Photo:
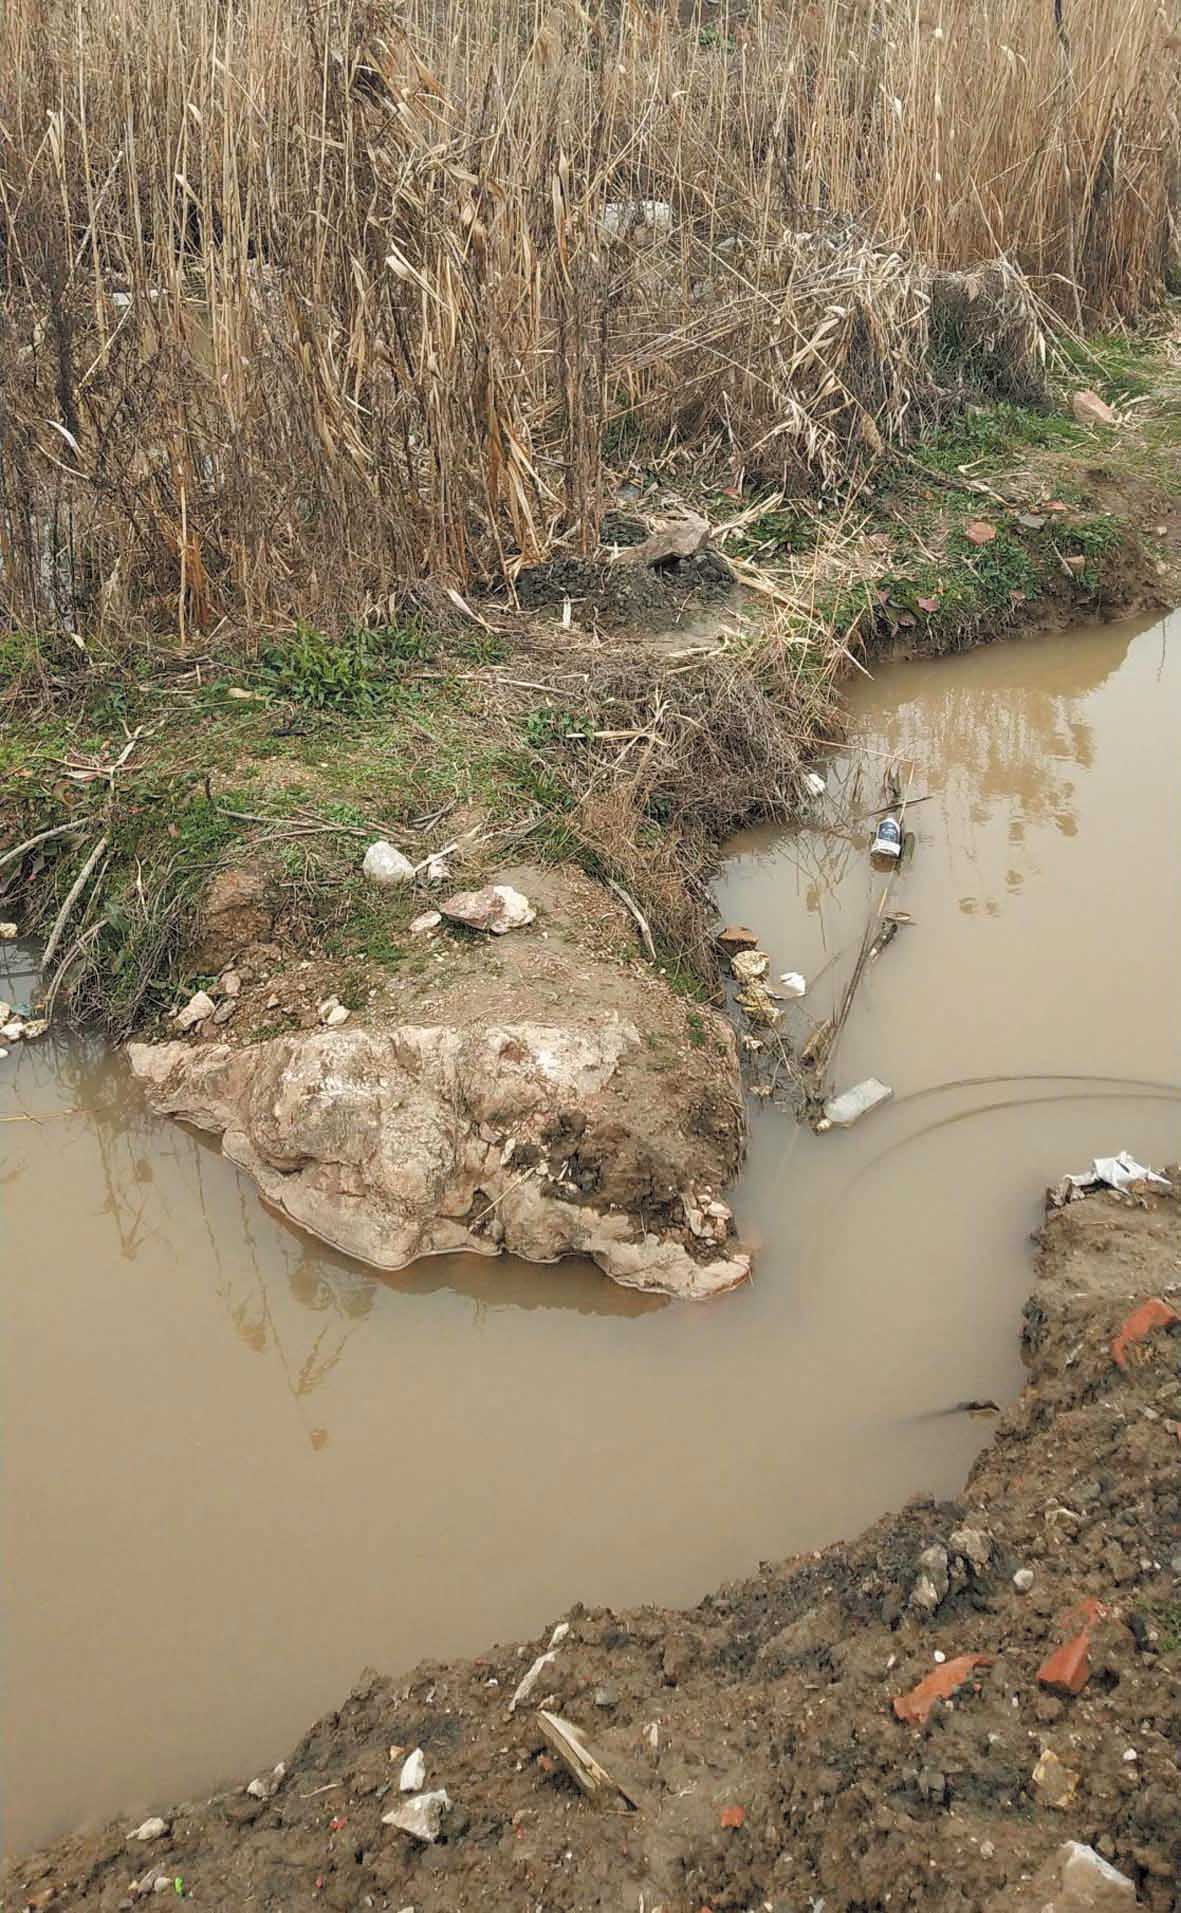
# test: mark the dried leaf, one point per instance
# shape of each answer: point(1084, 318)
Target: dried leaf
point(928, 605)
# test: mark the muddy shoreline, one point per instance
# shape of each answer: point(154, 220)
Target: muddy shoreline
point(757, 1733)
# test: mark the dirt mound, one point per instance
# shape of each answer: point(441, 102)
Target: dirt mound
point(766, 1737)
point(518, 1094)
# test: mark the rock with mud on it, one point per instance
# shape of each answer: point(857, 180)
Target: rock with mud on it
point(196, 1011)
point(749, 965)
point(736, 936)
point(421, 1816)
point(419, 1140)
point(933, 1580)
point(496, 908)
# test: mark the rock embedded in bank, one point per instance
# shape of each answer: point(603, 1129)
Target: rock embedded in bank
point(496, 908)
point(539, 1139)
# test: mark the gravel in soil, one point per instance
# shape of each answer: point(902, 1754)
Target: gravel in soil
point(757, 1734)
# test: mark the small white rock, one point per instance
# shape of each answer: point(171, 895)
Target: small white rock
point(14, 1029)
point(1023, 1580)
point(5, 1011)
point(939, 1656)
point(7, 932)
point(149, 1829)
point(384, 865)
point(421, 1815)
point(195, 1011)
point(413, 1772)
point(429, 920)
point(815, 784)
point(437, 870)
point(231, 983)
point(336, 1016)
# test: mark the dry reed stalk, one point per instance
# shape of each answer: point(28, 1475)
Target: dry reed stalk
point(299, 304)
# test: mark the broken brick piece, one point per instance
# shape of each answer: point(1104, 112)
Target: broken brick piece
point(1068, 1669)
point(1140, 1324)
point(915, 1706)
point(733, 1816)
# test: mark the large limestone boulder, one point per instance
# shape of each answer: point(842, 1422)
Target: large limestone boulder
point(539, 1139)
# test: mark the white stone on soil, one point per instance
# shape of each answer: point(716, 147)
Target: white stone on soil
point(382, 864)
point(196, 1010)
point(421, 1816)
point(413, 1772)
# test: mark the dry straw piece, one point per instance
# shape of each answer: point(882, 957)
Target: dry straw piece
point(303, 303)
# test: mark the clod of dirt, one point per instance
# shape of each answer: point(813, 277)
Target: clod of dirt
point(235, 912)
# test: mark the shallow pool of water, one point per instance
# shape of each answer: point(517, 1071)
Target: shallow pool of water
point(239, 1467)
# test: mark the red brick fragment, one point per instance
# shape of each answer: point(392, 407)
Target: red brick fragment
point(1068, 1669)
point(915, 1706)
point(1151, 1314)
point(733, 1816)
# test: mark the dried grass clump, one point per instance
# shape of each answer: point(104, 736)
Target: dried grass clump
point(302, 306)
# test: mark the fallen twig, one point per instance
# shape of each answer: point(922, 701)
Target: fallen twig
point(75, 891)
point(42, 837)
point(633, 907)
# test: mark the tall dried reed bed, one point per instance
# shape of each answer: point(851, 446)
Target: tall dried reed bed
point(302, 306)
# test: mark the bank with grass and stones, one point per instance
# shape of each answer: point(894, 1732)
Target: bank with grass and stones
point(974, 1705)
point(192, 829)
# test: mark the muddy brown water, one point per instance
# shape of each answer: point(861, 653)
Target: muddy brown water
point(239, 1467)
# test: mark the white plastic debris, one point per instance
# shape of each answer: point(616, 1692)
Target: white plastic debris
point(195, 1011)
point(815, 784)
point(13, 1030)
point(529, 1681)
point(413, 1772)
point(793, 983)
point(151, 1829)
point(267, 1785)
point(623, 216)
point(384, 865)
point(852, 1104)
point(887, 839)
point(421, 1816)
point(1114, 1172)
